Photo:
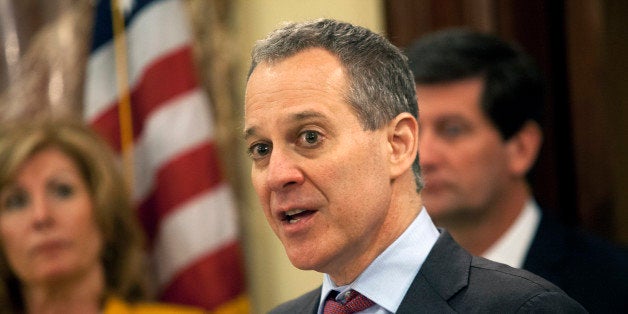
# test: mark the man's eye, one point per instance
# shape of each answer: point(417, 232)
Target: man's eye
point(310, 137)
point(452, 130)
point(259, 150)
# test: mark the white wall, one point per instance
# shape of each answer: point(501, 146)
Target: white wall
point(272, 279)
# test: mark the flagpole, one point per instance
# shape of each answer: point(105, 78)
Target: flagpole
point(124, 95)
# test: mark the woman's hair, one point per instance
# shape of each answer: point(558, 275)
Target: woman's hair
point(123, 254)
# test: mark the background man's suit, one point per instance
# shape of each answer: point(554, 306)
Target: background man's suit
point(451, 280)
point(591, 271)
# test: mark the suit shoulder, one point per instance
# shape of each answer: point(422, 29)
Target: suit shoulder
point(587, 267)
point(513, 289)
point(598, 249)
point(567, 244)
point(483, 269)
point(307, 303)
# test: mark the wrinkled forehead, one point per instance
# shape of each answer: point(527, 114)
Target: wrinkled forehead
point(310, 65)
point(312, 80)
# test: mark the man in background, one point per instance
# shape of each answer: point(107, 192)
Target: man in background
point(480, 101)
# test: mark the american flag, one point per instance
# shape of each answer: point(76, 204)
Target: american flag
point(143, 96)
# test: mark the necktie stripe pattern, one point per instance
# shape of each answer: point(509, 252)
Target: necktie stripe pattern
point(356, 302)
point(183, 201)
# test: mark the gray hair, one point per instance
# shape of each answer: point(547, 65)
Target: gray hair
point(381, 85)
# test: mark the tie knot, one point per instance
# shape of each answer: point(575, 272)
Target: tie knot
point(355, 302)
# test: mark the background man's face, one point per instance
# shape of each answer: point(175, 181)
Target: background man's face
point(462, 155)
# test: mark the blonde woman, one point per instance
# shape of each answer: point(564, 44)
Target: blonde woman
point(69, 240)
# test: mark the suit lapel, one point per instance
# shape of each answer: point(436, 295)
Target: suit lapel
point(311, 301)
point(312, 306)
point(444, 273)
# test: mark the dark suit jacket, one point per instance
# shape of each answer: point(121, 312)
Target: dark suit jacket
point(592, 271)
point(451, 280)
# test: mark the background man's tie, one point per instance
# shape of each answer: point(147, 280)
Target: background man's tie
point(355, 303)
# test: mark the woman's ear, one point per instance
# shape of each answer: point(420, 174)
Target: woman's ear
point(403, 137)
point(523, 148)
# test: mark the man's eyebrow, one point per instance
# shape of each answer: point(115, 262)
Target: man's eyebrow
point(304, 115)
point(299, 116)
point(248, 132)
point(452, 117)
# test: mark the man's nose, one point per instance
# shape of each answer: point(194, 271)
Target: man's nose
point(283, 170)
point(429, 151)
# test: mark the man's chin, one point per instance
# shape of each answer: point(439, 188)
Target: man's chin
point(302, 260)
point(439, 210)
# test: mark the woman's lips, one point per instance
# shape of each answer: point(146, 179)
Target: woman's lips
point(50, 246)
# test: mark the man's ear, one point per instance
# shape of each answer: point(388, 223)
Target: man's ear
point(523, 148)
point(403, 137)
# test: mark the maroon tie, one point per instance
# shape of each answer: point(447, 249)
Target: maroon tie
point(355, 303)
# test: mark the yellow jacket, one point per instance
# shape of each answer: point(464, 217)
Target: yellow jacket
point(117, 306)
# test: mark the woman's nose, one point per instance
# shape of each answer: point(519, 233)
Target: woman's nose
point(41, 213)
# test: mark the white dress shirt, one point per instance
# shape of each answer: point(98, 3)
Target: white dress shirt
point(387, 279)
point(511, 249)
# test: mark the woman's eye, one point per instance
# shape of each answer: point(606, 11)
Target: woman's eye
point(63, 190)
point(259, 150)
point(15, 201)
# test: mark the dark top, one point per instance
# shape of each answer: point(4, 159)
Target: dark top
point(592, 271)
point(451, 280)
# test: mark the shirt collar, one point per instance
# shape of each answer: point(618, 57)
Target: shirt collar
point(387, 279)
point(511, 248)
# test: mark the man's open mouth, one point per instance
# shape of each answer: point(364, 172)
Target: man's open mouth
point(292, 216)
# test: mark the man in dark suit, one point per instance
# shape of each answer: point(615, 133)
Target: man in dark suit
point(331, 127)
point(481, 100)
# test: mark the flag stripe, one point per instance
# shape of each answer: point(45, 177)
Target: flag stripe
point(201, 225)
point(184, 202)
point(225, 264)
point(175, 128)
point(102, 30)
point(145, 45)
point(151, 93)
point(195, 171)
